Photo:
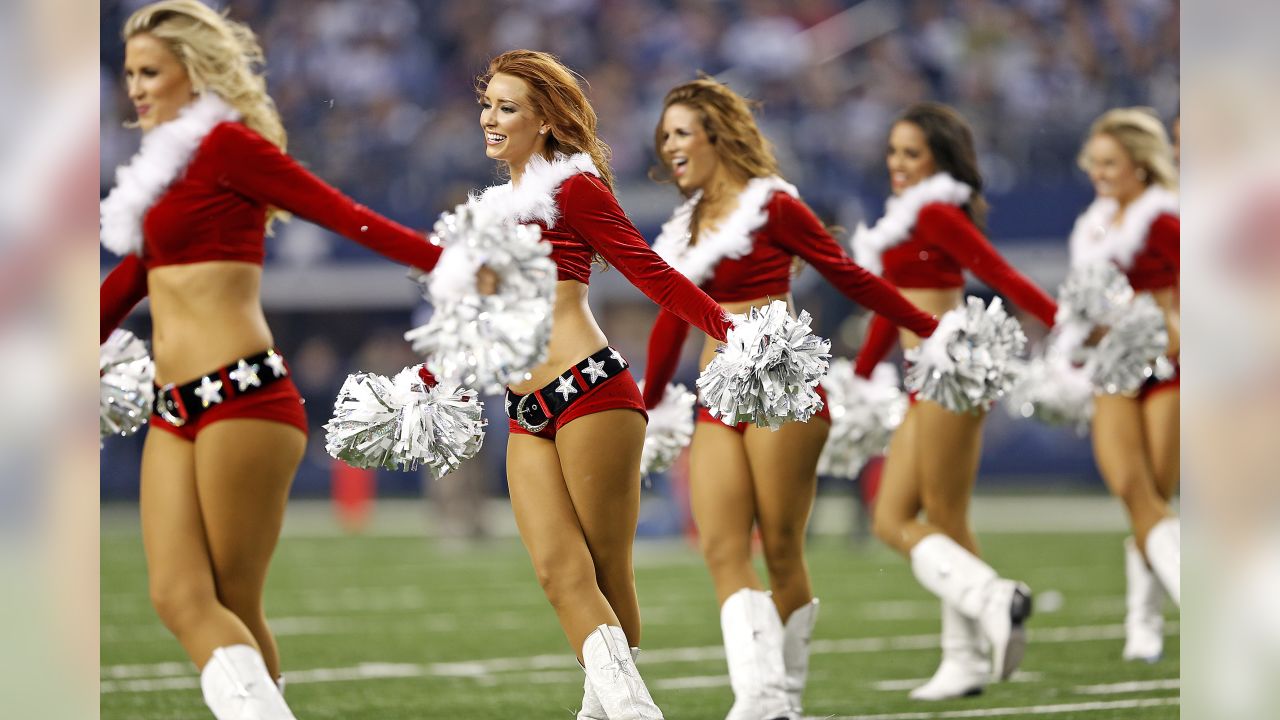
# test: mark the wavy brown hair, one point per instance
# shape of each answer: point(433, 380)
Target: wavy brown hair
point(729, 123)
point(950, 141)
point(557, 95)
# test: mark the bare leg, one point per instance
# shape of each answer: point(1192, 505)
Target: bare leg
point(900, 498)
point(244, 468)
point(948, 450)
point(179, 569)
point(723, 503)
point(1162, 422)
point(552, 534)
point(605, 490)
point(1120, 449)
point(784, 467)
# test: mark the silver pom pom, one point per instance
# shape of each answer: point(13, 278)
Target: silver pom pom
point(126, 377)
point(1092, 294)
point(965, 365)
point(487, 341)
point(1052, 390)
point(864, 414)
point(1130, 351)
point(402, 422)
point(766, 372)
point(670, 429)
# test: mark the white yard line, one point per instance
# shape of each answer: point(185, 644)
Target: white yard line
point(913, 683)
point(1085, 707)
point(1130, 687)
point(168, 675)
point(693, 682)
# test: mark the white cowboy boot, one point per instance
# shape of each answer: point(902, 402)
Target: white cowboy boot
point(1164, 552)
point(795, 651)
point(753, 647)
point(613, 678)
point(965, 666)
point(591, 707)
point(1144, 597)
point(236, 686)
point(961, 579)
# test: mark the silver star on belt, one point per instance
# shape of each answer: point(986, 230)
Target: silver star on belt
point(594, 370)
point(246, 374)
point(615, 355)
point(209, 392)
point(276, 363)
point(566, 387)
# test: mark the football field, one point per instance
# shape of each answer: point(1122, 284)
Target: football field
point(396, 625)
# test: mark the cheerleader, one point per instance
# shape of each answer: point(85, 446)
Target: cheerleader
point(576, 504)
point(737, 235)
point(930, 234)
point(1133, 223)
point(188, 215)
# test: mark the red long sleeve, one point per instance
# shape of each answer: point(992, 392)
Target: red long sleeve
point(593, 212)
point(252, 166)
point(805, 236)
point(881, 335)
point(123, 288)
point(1164, 240)
point(947, 226)
point(665, 343)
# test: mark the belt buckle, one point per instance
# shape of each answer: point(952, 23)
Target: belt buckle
point(162, 407)
point(535, 429)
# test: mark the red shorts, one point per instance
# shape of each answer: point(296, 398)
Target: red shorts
point(704, 415)
point(1153, 386)
point(279, 402)
point(619, 392)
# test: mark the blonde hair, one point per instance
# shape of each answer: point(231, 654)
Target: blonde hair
point(1142, 135)
point(221, 56)
point(728, 121)
point(556, 94)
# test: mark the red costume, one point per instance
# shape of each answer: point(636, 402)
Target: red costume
point(218, 180)
point(581, 218)
point(748, 256)
point(926, 240)
point(1145, 245)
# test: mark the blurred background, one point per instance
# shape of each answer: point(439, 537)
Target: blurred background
point(378, 99)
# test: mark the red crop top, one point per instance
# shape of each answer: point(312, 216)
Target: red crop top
point(942, 244)
point(1157, 264)
point(789, 230)
point(591, 221)
point(216, 210)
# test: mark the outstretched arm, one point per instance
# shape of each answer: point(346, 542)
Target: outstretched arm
point(123, 288)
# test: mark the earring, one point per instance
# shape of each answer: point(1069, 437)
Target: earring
point(543, 131)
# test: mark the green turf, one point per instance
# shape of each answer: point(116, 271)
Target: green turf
point(341, 601)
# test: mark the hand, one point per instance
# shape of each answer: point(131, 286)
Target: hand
point(1096, 335)
point(486, 281)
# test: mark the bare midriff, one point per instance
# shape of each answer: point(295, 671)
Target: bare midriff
point(934, 301)
point(574, 336)
point(204, 316)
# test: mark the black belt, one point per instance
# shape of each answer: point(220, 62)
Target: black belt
point(535, 411)
point(181, 404)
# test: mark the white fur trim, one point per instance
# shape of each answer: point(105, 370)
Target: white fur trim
point(900, 216)
point(166, 150)
point(535, 198)
point(732, 238)
point(1095, 238)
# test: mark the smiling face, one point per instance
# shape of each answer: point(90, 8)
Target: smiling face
point(158, 84)
point(687, 148)
point(513, 129)
point(1111, 170)
point(908, 158)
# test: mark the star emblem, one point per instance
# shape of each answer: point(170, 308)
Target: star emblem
point(594, 371)
point(209, 392)
point(615, 355)
point(276, 363)
point(566, 388)
point(620, 666)
point(246, 374)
